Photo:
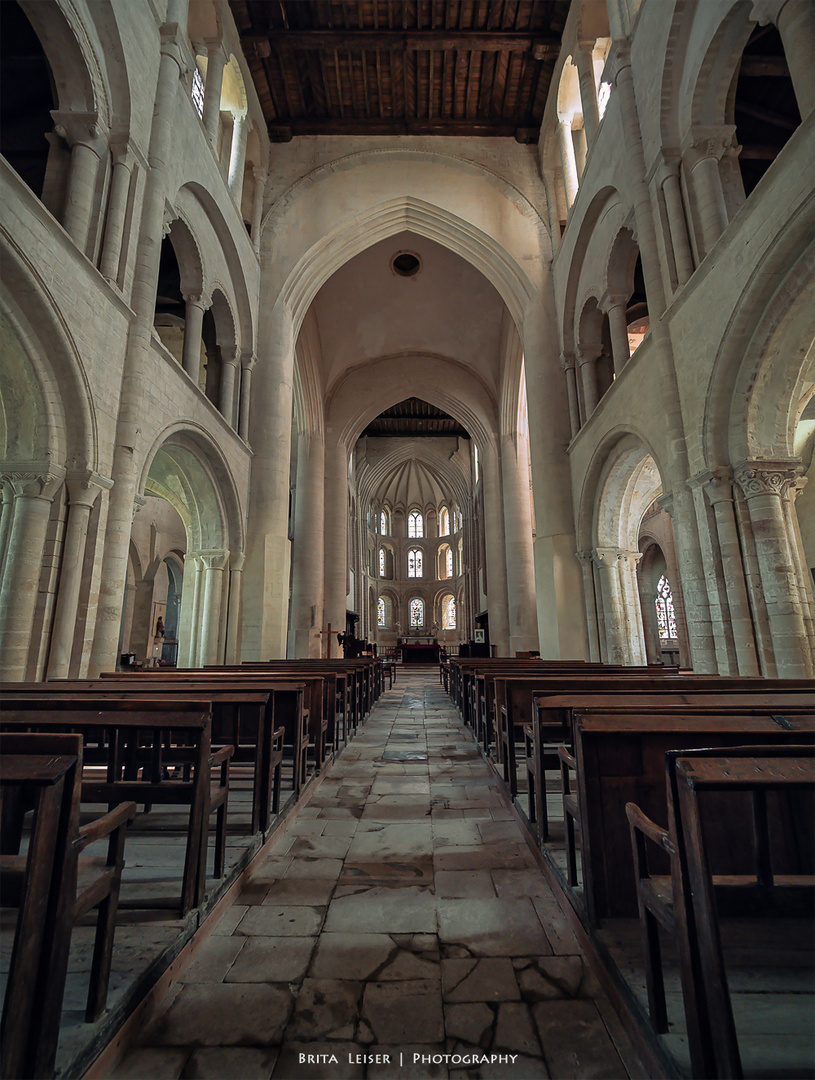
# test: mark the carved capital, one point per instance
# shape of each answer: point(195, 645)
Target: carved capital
point(81, 129)
point(138, 502)
point(198, 299)
point(33, 479)
point(213, 559)
point(618, 60)
point(567, 361)
point(84, 486)
point(237, 561)
point(583, 557)
point(174, 46)
point(248, 360)
point(766, 11)
point(605, 558)
point(707, 142)
point(767, 477)
point(230, 354)
point(611, 300)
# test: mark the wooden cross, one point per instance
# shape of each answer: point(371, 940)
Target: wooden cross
point(324, 633)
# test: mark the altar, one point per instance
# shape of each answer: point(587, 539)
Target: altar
point(420, 654)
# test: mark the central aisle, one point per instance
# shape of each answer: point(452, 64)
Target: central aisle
point(400, 916)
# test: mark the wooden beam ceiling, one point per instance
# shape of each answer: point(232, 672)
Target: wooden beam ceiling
point(402, 67)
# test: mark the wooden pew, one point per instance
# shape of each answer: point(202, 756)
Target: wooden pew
point(622, 759)
point(263, 713)
point(118, 721)
point(52, 886)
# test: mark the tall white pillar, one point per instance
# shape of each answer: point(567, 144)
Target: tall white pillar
point(248, 362)
point(719, 490)
point(495, 554)
point(187, 617)
point(523, 621)
point(615, 624)
point(615, 308)
point(266, 580)
point(764, 483)
point(567, 158)
point(83, 491)
point(233, 616)
point(558, 581)
point(799, 562)
point(336, 540)
point(795, 20)
point(212, 588)
point(88, 144)
point(567, 363)
point(34, 490)
point(196, 305)
point(117, 211)
point(216, 61)
point(587, 360)
point(584, 63)
point(237, 156)
point(632, 609)
point(677, 223)
point(230, 355)
point(6, 517)
point(308, 553)
point(260, 176)
point(552, 208)
point(129, 446)
point(702, 150)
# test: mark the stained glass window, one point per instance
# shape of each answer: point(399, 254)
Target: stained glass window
point(198, 91)
point(414, 563)
point(416, 613)
point(381, 562)
point(448, 616)
point(415, 525)
point(383, 524)
point(448, 562)
point(444, 522)
point(666, 616)
point(380, 612)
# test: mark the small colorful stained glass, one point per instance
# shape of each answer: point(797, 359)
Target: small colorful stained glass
point(666, 616)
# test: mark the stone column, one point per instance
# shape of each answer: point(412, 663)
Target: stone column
point(558, 582)
point(248, 361)
point(701, 153)
point(614, 617)
point(117, 211)
point(129, 449)
point(6, 517)
point(588, 89)
point(567, 158)
point(266, 584)
point(197, 304)
point(308, 553)
point(520, 560)
point(34, 488)
point(213, 565)
point(615, 308)
point(210, 117)
point(677, 223)
point(188, 616)
point(795, 20)
point(764, 484)
point(233, 615)
point(685, 529)
point(585, 560)
point(588, 380)
point(83, 491)
point(629, 591)
point(230, 355)
point(237, 157)
point(719, 490)
point(88, 145)
point(336, 539)
point(551, 205)
point(799, 564)
point(495, 554)
point(257, 208)
point(567, 363)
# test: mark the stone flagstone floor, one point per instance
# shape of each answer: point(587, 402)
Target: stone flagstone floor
point(400, 928)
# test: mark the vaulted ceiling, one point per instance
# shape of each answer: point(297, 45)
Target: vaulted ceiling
point(401, 67)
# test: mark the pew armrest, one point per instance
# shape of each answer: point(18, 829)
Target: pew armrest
point(639, 821)
point(104, 826)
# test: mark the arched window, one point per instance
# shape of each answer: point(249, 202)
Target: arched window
point(416, 613)
point(380, 611)
point(381, 562)
point(448, 613)
point(666, 616)
point(198, 91)
point(444, 522)
point(383, 524)
point(461, 556)
point(415, 525)
point(415, 562)
point(448, 563)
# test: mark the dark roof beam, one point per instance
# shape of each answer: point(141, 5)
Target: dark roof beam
point(409, 41)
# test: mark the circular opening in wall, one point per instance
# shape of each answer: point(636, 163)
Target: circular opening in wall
point(406, 264)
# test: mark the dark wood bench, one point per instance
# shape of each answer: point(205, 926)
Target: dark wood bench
point(117, 726)
point(691, 898)
point(52, 886)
